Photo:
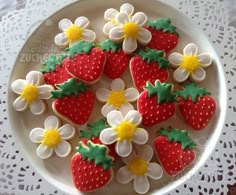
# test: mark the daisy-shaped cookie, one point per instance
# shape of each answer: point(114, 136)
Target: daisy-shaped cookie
point(190, 64)
point(117, 98)
point(32, 93)
point(124, 131)
point(52, 138)
point(139, 168)
point(72, 33)
point(110, 16)
point(130, 30)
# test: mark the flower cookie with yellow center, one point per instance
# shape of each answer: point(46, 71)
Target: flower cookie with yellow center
point(32, 93)
point(52, 138)
point(139, 168)
point(72, 33)
point(117, 98)
point(190, 64)
point(124, 131)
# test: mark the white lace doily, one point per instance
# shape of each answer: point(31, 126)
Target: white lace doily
point(18, 177)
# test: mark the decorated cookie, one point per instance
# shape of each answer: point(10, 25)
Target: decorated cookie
point(156, 103)
point(85, 62)
point(32, 93)
point(123, 131)
point(53, 71)
point(139, 168)
point(149, 65)
point(91, 167)
point(131, 31)
point(52, 138)
point(110, 16)
point(196, 106)
point(71, 33)
point(118, 98)
point(174, 150)
point(164, 35)
point(73, 101)
point(190, 64)
point(117, 60)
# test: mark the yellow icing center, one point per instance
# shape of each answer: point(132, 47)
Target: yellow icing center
point(190, 63)
point(74, 33)
point(125, 130)
point(51, 137)
point(131, 30)
point(30, 93)
point(116, 98)
point(138, 166)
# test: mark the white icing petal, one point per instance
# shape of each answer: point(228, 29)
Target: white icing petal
point(51, 122)
point(122, 18)
point(131, 94)
point(116, 34)
point(123, 148)
point(18, 85)
point(38, 107)
point(127, 8)
point(146, 152)
point(205, 59)
point(44, 152)
point(106, 109)
point(198, 75)
point(125, 108)
point(134, 117)
point(154, 171)
point(117, 84)
point(144, 36)
point(180, 75)
point(190, 49)
point(36, 135)
point(88, 35)
point(108, 136)
point(20, 104)
point(34, 77)
point(127, 159)
point(110, 14)
point(44, 91)
point(141, 184)
point(67, 131)
point(175, 59)
point(63, 149)
point(61, 39)
point(64, 24)
point(107, 27)
point(82, 22)
point(124, 176)
point(140, 136)
point(102, 94)
point(114, 118)
point(140, 18)
point(129, 45)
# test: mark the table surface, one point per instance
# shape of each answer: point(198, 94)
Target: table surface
point(217, 176)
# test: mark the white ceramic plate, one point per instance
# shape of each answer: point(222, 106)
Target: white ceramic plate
point(40, 44)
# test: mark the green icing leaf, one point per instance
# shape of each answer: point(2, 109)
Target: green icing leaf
point(109, 45)
point(193, 91)
point(180, 136)
point(154, 55)
point(163, 24)
point(96, 153)
point(79, 48)
point(68, 88)
point(94, 129)
point(162, 90)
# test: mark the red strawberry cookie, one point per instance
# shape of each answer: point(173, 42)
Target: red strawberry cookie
point(196, 106)
point(149, 65)
point(174, 149)
point(73, 101)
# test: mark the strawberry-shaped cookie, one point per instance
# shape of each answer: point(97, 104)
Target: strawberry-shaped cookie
point(85, 62)
point(196, 106)
point(164, 35)
point(73, 101)
point(53, 71)
point(91, 167)
point(156, 103)
point(149, 65)
point(116, 59)
point(174, 149)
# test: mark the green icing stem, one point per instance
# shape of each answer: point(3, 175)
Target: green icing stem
point(79, 48)
point(109, 45)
